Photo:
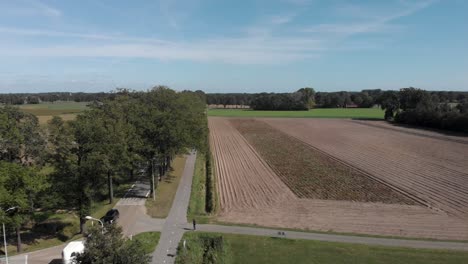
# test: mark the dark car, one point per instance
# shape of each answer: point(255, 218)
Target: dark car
point(111, 216)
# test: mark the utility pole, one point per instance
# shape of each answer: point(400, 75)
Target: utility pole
point(5, 243)
point(4, 233)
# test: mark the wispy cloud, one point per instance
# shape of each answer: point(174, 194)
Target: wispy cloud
point(29, 8)
point(53, 33)
point(282, 19)
point(241, 51)
point(46, 9)
point(258, 44)
point(376, 22)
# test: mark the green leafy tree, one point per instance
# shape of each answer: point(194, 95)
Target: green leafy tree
point(411, 97)
point(19, 186)
point(74, 177)
point(308, 96)
point(21, 138)
point(390, 102)
point(111, 247)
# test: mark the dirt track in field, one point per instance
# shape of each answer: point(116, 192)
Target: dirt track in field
point(251, 193)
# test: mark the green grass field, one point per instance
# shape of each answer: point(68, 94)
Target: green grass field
point(368, 113)
point(45, 111)
point(256, 249)
point(196, 207)
point(149, 240)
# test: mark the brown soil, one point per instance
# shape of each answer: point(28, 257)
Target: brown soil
point(251, 193)
point(310, 173)
point(433, 169)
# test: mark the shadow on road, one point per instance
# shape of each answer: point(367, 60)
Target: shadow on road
point(56, 261)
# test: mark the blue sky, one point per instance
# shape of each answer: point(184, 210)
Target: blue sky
point(233, 46)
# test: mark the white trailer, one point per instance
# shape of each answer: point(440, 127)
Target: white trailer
point(71, 250)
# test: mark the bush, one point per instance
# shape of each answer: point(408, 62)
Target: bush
point(210, 188)
point(70, 230)
point(451, 120)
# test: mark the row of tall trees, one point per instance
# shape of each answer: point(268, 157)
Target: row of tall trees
point(110, 142)
point(418, 107)
point(363, 99)
point(303, 99)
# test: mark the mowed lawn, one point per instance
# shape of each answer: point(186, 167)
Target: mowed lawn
point(256, 249)
point(45, 111)
point(365, 113)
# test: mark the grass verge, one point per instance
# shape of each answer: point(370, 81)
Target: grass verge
point(166, 190)
point(201, 192)
point(148, 240)
point(196, 209)
point(256, 249)
point(364, 113)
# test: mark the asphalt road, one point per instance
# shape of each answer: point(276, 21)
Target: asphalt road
point(141, 189)
point(334, 238)
point(176, 222)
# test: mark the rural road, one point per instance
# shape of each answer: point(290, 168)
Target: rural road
point(176, 222)
point(371, 241)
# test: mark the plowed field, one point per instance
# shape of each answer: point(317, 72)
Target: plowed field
point(310, 173)
point(251, 192)
point(435, 170)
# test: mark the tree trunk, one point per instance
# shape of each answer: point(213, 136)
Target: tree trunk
point(169, 159)
point(82, 225)
point(111, 190)
point(19, 247)
point(161, 172)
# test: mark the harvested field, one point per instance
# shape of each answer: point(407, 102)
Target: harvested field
point(432, 169)
point(310, 173)
point(250, 192)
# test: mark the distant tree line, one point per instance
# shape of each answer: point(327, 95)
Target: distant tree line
point(109, 143)
point(441, 110)
point(35, 98)
point(292, 101)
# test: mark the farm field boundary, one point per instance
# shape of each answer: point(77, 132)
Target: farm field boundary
point(360, 113)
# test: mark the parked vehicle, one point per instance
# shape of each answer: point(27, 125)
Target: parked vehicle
point(111, 216)
point(70, 252)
